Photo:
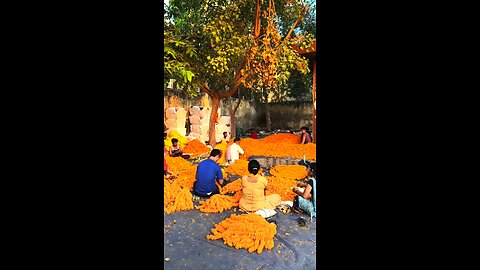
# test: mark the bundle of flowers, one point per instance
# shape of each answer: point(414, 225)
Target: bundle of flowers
point(187, 177)
point(196, 148)
point(248, 231)
point(282, 186)
point(232, 187)
point(217, 203)
point(289, 171)
point(177, 164)
point(182, 198)
point(279, 150)
point(239, 167)
point(282, 138)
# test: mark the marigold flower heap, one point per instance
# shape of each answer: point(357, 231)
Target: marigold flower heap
point(195, 147)
point(176, 198)
point(232, 187)
point(282, 138)
point(289, 171)
point(248, 231)
point(278, 145)
point(177, 164)
point(187, 177)
point(281, 186)
point(217, 203)
point(239, 167)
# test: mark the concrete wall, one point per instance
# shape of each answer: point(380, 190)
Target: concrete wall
point(291, 115)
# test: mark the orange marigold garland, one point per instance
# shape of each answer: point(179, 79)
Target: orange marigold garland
point(248, 231)
point(186, 178)
point(196, 147)
point(289, 171)
point(282, 138)
point(177, 164)
point(176, 198)
point(282, 186)
point(232, 187)
point(278, 145)
point(239, 167)
point(217, 203)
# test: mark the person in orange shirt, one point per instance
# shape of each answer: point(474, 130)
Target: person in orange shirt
point(253, 191)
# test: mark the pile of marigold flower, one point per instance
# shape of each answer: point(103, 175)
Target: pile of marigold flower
point(177, 164)
point(196, 148)
point(231, 187)
point(217, 203)
point(278, 145)
point(239, 167)
point(289, 171)
point(176, 198)
point(248, 231)
point(282, 138)
point(281, 186)
point(187, 177)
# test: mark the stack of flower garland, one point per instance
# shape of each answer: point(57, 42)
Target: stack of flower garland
point(281, 186)
point(196, 148)
point(282, 138)
point(177, 164)
point(176, 198)
point(278, 145)
point(217, 203)
point(187, 177)
point(239, 167)
point(289, 171)
point(232, 187)
point(249, 231)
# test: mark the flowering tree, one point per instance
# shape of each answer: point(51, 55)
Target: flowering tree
point(238, 43)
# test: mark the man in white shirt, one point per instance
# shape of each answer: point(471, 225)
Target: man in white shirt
point(233, 151)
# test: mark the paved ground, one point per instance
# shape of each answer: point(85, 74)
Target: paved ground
point(186, 245)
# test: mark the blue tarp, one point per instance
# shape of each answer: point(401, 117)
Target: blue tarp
point(186, 245)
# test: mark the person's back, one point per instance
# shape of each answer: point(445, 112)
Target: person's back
point(253, 191)
point(207, 173)
point(234, 151)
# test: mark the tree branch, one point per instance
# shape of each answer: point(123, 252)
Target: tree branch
point(302, 14)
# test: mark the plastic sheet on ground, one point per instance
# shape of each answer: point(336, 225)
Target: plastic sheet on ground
point(186, 246)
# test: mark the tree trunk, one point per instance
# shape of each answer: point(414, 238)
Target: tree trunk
point(267, 111)
point(233, 111)
point(213, 118)
point(233, 132)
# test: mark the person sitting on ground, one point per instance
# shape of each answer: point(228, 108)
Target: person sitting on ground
point(233, 151)
point(305, 137)
point(208, 172)
point(168, 173)
point(175, 149)
point(253, 191)
point(306, 200)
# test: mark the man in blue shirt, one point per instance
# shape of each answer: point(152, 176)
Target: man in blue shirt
point(207, 173)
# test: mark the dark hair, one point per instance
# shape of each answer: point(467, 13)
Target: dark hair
point(304, 128)
point(236, 140)
point(225, 132)
point(215, 152)
point(253, 166)
point(313, 168)
point(174, 140)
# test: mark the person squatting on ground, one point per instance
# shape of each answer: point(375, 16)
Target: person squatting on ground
point(170, 175)
point(305, 137)
point(253, 191)
point(208, 172)
point(234, 151)
point(175, 149)
point(306, 199)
